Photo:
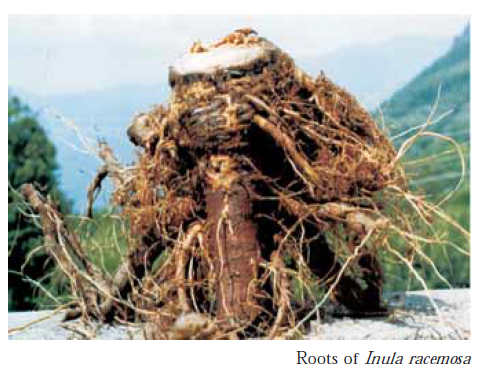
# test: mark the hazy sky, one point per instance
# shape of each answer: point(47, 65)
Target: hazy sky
point(62, 54)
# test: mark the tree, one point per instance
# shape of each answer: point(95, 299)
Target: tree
point(31, 159)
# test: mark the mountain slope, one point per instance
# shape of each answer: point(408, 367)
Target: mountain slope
point(432, 162)
point(373, 72)
point(412, 105)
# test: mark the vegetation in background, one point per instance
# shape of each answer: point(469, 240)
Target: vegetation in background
point(31, 159)
point(434, 164)
point(105, 238)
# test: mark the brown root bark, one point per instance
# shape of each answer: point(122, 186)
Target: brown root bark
point(86, 280)
point(233, 244)
point(141, 132)
point(182, 256)
point(113, 169)
point(281, 287)
point(301, 165)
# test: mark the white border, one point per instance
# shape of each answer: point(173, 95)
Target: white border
point(265, 355)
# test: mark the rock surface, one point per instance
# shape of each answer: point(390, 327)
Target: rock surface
point(413, 317)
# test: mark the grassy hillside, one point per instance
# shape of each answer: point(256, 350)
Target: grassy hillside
point(433, 163)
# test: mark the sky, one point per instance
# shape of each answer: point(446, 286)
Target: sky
point(61, 54)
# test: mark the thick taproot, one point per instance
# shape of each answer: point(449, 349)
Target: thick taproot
point(233, 245)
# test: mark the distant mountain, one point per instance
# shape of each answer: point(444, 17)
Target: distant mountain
point(368, 71)
point(373, 72)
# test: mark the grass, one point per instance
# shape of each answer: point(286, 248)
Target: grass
point(105, 238)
